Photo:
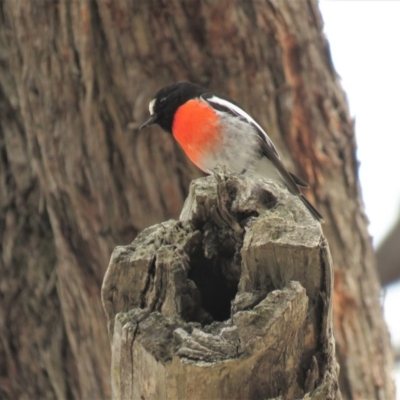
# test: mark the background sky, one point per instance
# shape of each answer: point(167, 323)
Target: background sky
point(364, 37)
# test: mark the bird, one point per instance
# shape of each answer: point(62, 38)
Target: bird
point(214, 130)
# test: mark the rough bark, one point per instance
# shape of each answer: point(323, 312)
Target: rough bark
point(233, 301)
point(77, 177)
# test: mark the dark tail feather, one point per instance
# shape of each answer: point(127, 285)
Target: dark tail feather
point(315, 213)
point(299, 181)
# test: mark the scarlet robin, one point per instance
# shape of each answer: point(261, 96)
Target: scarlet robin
point(213, 130)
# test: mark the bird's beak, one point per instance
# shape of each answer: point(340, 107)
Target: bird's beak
point(149, 122)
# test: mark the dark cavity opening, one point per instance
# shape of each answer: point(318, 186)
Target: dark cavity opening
point(217, 280)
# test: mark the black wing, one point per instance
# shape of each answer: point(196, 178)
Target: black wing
point(267, 147)
point(230, 107)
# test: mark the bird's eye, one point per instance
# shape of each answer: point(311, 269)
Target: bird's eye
point(163, 101)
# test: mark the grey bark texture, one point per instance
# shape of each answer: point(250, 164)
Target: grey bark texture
point(233, 301)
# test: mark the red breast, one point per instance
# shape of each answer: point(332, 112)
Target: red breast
point(196, 128)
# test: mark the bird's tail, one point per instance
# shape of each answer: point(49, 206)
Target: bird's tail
point(315, 213)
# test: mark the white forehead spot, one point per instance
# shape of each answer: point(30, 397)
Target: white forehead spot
point(151, 106)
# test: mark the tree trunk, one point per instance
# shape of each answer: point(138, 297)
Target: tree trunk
point(233, 301)
point(77, 177)
point(388, 256)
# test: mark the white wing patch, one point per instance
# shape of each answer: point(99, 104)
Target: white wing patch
point(151, 106)
point(237, 110)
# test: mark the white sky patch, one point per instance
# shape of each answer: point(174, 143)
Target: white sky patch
point(365, 40)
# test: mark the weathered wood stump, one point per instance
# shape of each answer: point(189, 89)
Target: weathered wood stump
point(233, 301)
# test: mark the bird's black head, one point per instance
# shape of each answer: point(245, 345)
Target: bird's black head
point(167, 100)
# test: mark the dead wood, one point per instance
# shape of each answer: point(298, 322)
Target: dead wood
point(234, 300)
